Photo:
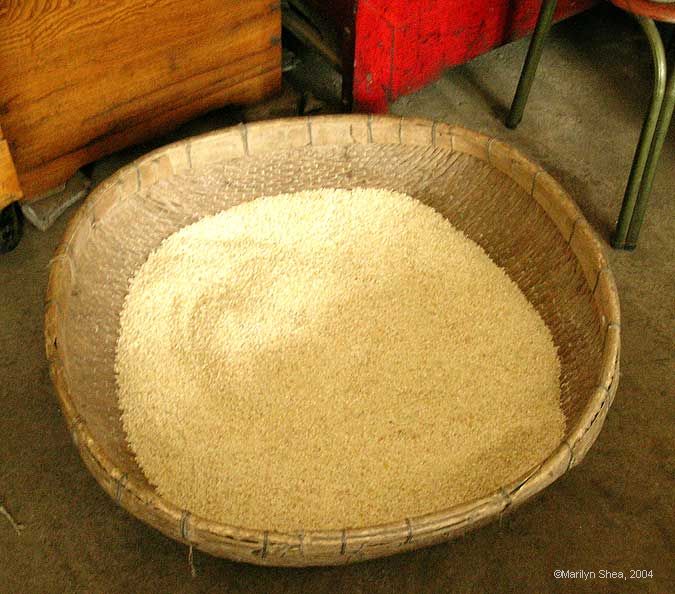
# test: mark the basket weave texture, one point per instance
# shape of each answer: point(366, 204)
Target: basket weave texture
point(506, 203)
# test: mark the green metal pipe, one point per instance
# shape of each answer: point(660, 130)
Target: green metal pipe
point(531, 63)
point(646, 135)
point(652, 162)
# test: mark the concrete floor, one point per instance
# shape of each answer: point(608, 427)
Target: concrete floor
point(613, 512)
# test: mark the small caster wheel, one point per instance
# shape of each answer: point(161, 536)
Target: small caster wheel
point(11, 227)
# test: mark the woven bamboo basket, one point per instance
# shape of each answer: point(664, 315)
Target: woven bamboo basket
point(500, 199)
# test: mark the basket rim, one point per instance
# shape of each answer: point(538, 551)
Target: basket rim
point(342, 545)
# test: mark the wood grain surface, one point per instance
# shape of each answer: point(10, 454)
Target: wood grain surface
point(81, 79)
point(9, 183)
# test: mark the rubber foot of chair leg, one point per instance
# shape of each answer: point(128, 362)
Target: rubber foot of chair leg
point(618, 245)
point(512, 124)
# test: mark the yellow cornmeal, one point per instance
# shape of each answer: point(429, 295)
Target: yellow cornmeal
point(331, 359)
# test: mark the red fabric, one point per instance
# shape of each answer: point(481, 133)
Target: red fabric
point(401, 45)
point(659, 11)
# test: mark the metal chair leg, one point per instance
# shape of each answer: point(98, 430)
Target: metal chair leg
point(531, 63)
point(652, 162)
point(642, 152)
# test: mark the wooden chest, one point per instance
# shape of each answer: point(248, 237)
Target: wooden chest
point(80, 79)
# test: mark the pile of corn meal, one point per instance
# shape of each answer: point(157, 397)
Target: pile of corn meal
point(331, 359)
